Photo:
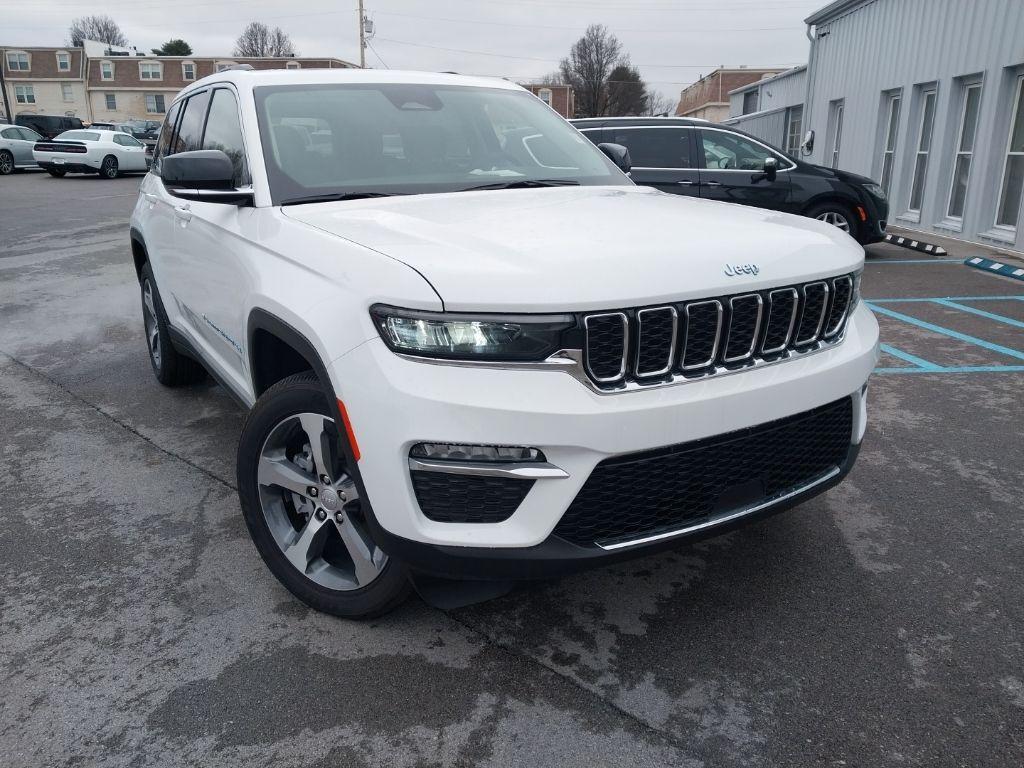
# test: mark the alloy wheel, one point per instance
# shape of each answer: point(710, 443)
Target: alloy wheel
point(6, 163)
point(152, 326)
point(836, 219)
point(109, 168)
point(311, 505)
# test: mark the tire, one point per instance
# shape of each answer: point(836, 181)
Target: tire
point(836, 214)
point(171, 368)
point(108, 168)
point(6, 163)
point(55, 173)
point(310, 529)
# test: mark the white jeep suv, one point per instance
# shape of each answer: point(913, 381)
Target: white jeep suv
point(471, 348)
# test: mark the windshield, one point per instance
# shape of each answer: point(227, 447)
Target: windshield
point(80, 136)
point(356, 139)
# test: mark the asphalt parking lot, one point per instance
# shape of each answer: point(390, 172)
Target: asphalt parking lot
point(879, 624)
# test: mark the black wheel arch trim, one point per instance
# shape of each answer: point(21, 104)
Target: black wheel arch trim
point(261, 320)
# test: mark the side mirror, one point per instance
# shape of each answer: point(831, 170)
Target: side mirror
point(771, 168)
point(618, 154)
point(206, 175)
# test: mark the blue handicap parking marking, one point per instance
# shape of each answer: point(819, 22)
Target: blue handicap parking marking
point(959, 304)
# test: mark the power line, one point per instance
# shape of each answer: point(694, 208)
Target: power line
point(546, 61)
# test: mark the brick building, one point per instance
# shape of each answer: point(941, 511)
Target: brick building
point(98, 82)
point(560, 98)
point(708, 98)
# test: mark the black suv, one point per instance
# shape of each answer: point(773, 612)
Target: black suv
point(48, 126)
point(702, 159)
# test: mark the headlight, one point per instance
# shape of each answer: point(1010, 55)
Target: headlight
point(875, 191)
point(855, 295)
point(465, 337)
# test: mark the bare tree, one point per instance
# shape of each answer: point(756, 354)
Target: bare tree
point(658, 104)
point(257, 39)
point(102, 29)
point(627, 94)
point(586, 68)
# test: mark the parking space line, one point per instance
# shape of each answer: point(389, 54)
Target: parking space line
point(961, 369)
point(980, 312)
point(1018, 297)
point(907, 357)
point(913, 261)
point(947, 332)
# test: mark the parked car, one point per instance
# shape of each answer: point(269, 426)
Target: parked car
point(47, 126)
point(144, 130)
point(469, 346)
point(16, 148)
point(107, 153)
point(701, 159)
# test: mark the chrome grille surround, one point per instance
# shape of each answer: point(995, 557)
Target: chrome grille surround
point(818, 298)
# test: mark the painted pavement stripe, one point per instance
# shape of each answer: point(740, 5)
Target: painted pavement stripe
point(980, 313)
point(907, 357)
point(948, 332)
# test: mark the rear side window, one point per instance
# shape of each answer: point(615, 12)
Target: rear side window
point(224, 132)
point(189, 136)
point(28, 134)
point(11, 133)
point(654, 147)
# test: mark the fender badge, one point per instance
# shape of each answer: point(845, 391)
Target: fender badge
point(732, 270)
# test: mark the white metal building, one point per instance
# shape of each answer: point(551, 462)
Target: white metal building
point(926, 97)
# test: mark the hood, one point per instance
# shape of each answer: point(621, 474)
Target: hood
point(565, 249)
point(838, 173)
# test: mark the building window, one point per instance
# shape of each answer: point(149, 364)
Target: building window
point(155, 103)
point(838, 108)
point(110, 100)
point(151, 70)
point(1013, 170)
point(544, 94)
point(750, 101)
point(892, 126)
point(24, 94)
point(794, 127)
point(67, 93)
point(188, 70)
point(292, 65)
point(17, 61)
point(106, 70)
point(924, 144)
point(964, 151)
point(63, 61)
point(222, 65)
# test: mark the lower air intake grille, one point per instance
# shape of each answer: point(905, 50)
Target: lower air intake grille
point(643, 494)
point(449, 498)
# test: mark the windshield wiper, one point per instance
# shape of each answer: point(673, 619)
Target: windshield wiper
point(525, 184)
point(335, 197)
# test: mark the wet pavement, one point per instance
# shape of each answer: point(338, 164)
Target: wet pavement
point(881, 623)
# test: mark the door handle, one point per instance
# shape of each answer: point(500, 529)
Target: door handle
point(685, 183)
point(150, 197)
point(711, 183)
point(182, 212)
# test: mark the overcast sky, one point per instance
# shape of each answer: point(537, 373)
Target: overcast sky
point(672, 41)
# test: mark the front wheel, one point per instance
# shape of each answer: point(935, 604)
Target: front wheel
point(6, 162)
point(836, 214)
point(108, 168)
point(302, 506)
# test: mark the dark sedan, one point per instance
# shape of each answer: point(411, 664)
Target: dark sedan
point(701, 159)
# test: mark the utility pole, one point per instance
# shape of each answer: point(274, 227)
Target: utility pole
point(362, 37)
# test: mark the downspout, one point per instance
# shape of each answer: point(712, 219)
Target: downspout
point(3, 89)
point(809, 87)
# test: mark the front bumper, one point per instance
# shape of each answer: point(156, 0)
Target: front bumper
point(394, 403)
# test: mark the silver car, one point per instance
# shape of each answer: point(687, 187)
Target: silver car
point(16, 144)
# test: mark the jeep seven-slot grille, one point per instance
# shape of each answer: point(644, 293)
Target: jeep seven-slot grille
point(642, 494)
point(699, 338)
